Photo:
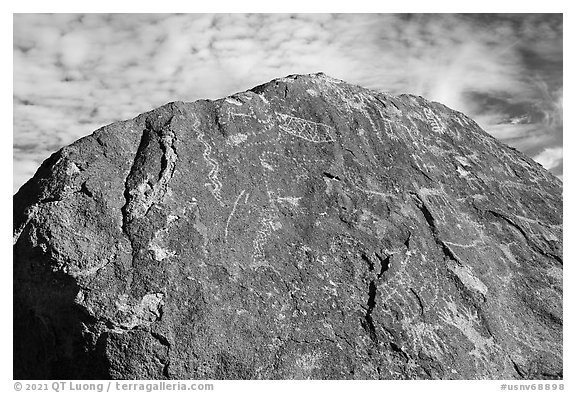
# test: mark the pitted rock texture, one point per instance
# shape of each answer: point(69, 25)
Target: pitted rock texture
point(306, 228)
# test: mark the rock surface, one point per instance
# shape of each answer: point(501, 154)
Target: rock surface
point(306, 228)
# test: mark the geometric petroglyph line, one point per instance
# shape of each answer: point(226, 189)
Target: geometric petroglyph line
point(269, 216)
point(410, 131)
point(294, 201)
point(264, 163)
point(231, 214)
point(459, 121)
point(215, 185)
point(236, 139)
point(312, 92)
point(434, 121)
point(255, 125)
point(360, 104)
point(261, 239)
point(232, 115)
point(389, 128)
point(305, 129)
point(462, 119)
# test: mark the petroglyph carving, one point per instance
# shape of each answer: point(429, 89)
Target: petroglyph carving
point(232, 115)
point(258, 257)
point(294, 201)
point(305, 129)
point(389, 131)
point(215, 185)
point(435, 122)
point(286, 80)
point(359, 103)
point(412, 132)
point(265, 164)
point(257, 124)
point(264, 99)
point(231, 214)
point(312, 92)
point(269, 221)
point(236, 139)
point(459, 121)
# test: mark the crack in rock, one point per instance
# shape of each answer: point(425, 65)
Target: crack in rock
point(140, 192)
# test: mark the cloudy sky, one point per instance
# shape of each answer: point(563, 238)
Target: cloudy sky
point(75, 73)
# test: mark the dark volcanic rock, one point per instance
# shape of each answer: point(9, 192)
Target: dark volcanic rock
point(306, 228)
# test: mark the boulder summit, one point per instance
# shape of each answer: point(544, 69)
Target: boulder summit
point(306, 228)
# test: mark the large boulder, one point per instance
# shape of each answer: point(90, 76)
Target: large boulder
point(306, 228)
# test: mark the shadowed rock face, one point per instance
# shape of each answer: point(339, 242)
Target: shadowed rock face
point(306, 228)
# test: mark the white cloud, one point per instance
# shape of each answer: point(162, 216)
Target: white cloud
point(73, 49)
point(550, 158)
